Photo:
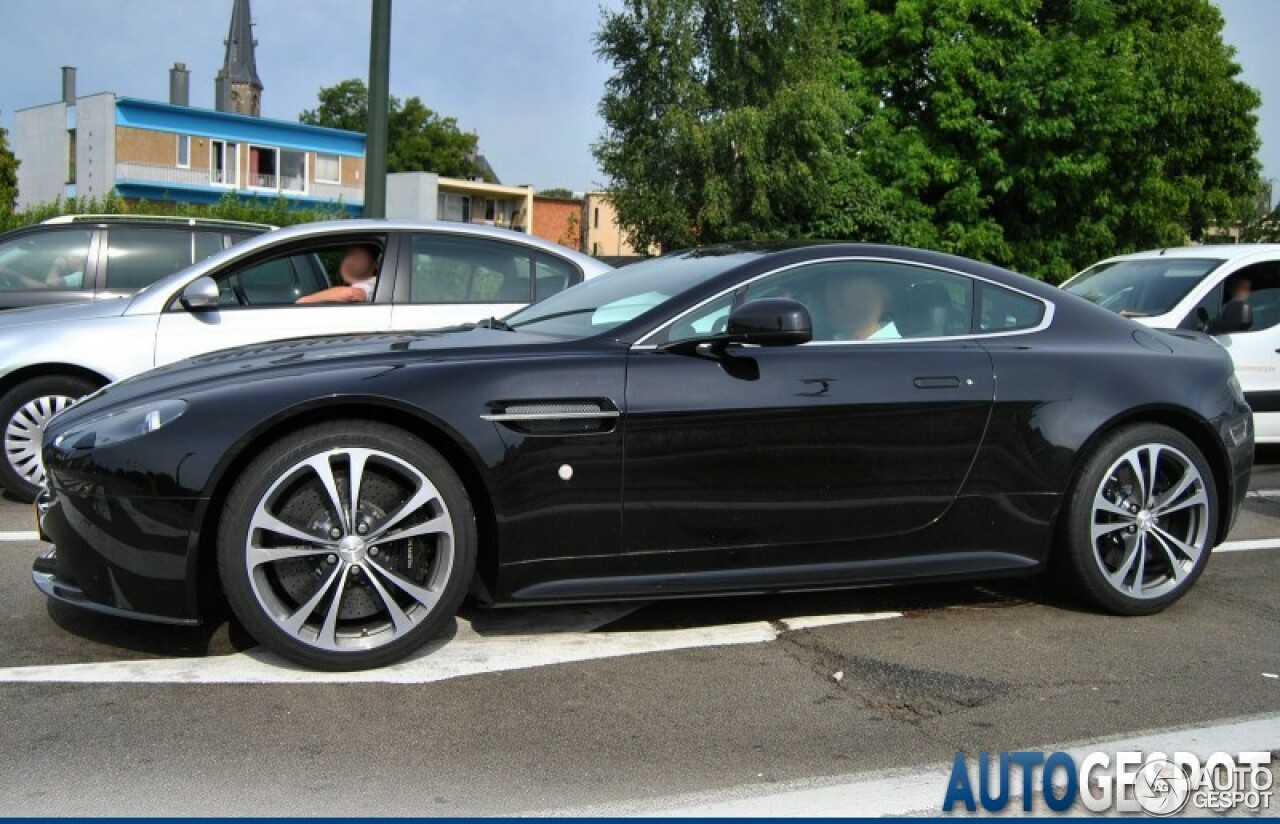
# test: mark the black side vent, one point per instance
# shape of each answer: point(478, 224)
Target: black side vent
point(542, 417)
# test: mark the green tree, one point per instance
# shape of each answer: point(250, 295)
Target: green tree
point(560, 192)
point(1040, 134)
point(720, 118)
point(419, 139)
point(8, 175)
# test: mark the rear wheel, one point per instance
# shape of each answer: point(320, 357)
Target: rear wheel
point(1141, 520)
point(347, 545)
point(25, 410)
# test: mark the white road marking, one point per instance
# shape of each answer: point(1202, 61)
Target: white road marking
point(811, 621)
point(19, 536)
point(1247, 546)
point(1263, 493)
point(920, 791)
point(471, 652)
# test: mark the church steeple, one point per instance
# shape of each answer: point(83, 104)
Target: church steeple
point(239, 88)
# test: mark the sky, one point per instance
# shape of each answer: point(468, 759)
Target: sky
point(522, 74)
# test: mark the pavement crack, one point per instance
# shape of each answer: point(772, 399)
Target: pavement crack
point(902, 692)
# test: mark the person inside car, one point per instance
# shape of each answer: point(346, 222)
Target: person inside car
point(359, 271)
point(1239, 288)
point(856, 310)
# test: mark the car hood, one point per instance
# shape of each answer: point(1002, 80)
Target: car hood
point(64, 312)
point(327, 353)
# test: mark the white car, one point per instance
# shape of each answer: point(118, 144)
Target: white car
point(1232, 292)
point(428, 275)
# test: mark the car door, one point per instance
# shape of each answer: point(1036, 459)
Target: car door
point(797, 450)
point(47, 265)
point(446, 279)
point(258, 302)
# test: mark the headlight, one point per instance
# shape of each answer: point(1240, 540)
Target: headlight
point(120, 427)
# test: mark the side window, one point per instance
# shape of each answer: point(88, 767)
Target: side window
point(139, 257)
point(469, 270)
point(1258, 284)
point(281, 281)
point(852, 300)
point(272, 283)
point(874, 300)
point(552, 275)
point(1001, 310)
point(48, 260)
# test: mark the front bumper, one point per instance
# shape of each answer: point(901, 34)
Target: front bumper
point(127, 557)
point(44, 575)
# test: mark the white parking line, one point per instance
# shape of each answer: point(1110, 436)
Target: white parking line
point(921, 791)
point(1248, 546)
point(19, 536)
point(469, 654)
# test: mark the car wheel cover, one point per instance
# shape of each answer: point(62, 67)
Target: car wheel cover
point(333, 545)
point(1150, 521)
point(24, 431)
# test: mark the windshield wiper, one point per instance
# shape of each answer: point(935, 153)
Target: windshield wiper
point(541, 318)
point(495, 323)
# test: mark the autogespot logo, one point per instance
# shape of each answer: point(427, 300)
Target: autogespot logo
point(1123, 782)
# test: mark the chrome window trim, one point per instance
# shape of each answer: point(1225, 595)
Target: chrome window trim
point(1045, 322)
point(504, 417)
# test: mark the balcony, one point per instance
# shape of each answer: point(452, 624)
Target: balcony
point(289, 187)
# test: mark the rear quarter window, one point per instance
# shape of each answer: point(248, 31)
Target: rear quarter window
point(1003, 310)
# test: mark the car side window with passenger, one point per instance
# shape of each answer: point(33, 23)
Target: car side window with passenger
point(447, 269)
point(1259, 286)
point(862, 300)
point(137, 258)
point(852, 300)
point(49, 260)
point(327, 274)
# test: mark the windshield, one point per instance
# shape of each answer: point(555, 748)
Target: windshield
point(610, 300)
point(1141, 288)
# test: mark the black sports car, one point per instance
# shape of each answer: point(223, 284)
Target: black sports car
point(748, 418)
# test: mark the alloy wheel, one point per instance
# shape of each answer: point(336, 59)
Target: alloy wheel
point(1150, 521)
point(350, 549)
point(24, 431)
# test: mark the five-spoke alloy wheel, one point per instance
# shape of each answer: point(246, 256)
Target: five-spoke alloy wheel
point(347, 545)
point(1142, 520)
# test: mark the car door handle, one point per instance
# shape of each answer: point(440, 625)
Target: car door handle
point(937, 383)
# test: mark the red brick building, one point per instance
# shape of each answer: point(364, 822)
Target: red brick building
point(558, 220)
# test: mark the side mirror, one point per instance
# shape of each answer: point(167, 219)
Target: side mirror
point(200, 294)
point(770, 322)
point(1237, 316)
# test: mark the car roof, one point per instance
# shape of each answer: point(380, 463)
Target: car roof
point(160, 220)
point(155, 296)
point(1222, 252)
point(319, 229)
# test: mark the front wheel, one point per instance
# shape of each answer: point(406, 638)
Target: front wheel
point(347, 545)
point(1141, 520)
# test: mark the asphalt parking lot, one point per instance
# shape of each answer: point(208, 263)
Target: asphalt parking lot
point(633, 708)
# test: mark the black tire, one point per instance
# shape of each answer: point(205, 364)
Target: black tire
point(17, 467)
point(252, 596)
point(1096, 570)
